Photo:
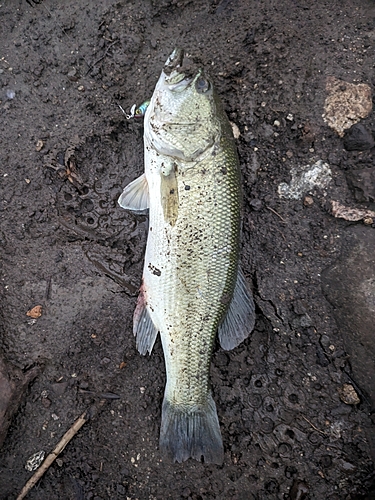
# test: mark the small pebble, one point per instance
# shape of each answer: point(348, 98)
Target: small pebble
point(256, 204)
point(235, 130)
point(348, 394)
point(46, 402)
point(35, 312)
point(35, 460)
point(308, 201)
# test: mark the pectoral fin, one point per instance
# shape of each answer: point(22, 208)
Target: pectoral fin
point(135, 196)
point(240, 318)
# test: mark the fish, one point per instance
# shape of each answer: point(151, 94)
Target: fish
point(193, 289)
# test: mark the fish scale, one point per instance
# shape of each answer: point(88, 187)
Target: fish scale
point(193, 287)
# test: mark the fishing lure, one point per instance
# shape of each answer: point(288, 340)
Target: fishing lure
point(136, 112)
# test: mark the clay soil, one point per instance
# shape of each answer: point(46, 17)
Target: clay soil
point(293, 401)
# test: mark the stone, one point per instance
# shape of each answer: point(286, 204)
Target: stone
point(346, 104)
point(358, 138)
point(349, 285)
point(362, 184)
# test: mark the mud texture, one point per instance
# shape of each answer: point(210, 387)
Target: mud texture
point(287, 397)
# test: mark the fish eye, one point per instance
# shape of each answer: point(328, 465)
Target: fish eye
point(202, 85)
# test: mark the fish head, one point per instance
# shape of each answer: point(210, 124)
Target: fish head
point(182, 120)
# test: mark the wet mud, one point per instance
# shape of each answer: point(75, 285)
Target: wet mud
point(295, 401)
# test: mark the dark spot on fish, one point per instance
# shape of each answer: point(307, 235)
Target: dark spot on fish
point(171, 191)
point(187, 188)
point(154, 270)
point(225, 298)
point(223, 170)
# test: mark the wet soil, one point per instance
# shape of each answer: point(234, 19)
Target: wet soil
point(292, 428)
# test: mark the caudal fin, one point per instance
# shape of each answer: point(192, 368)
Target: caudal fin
point(191, 433)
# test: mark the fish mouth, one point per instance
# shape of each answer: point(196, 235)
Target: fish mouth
point(179, 67)
point(174, 61)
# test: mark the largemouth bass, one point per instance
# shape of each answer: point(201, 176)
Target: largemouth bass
point(193, 287)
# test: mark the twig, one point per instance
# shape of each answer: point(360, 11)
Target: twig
point(313, 426)
point(103, 56)
point(274, 212)
point(282, 234)
point(67, 437)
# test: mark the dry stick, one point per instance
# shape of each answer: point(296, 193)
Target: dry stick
point(101, 58)
point(274, 212)
point(67, 437)
point(313, 426)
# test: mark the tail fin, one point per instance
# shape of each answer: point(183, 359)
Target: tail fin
point(194, 433)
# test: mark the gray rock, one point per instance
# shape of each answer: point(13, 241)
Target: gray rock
point(358, 138)
point(349, 286)
point(362, 183)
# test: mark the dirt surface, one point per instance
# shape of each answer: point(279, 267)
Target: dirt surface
point(287, 397)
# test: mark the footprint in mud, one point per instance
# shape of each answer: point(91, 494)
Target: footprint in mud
point(93, 211)
point(117, 238)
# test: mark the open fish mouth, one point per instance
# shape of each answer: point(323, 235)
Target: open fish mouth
point(174, 61)
point(179, 67)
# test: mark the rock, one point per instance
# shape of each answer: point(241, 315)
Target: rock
point(346, 104)
point(305, 179)
point(352, 213)
point(348, 394)
point(362, 183)
point(13, 383)
point(349, 286)
point(358, 138)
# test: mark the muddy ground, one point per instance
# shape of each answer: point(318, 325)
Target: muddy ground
point(295, 400)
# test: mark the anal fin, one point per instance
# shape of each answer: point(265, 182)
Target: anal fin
point(135, 196)
point(240, 318)
point(143, 326)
